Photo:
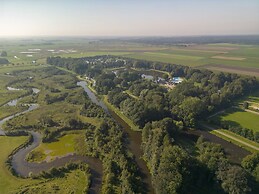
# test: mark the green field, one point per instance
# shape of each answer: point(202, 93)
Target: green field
point(229, 55)
point(168, 58)
point(49, 151)
point(239, 117)
point(73, 182)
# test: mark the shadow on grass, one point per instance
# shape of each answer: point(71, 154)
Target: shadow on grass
point(218, 119)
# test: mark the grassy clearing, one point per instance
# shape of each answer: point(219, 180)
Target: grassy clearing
point(120, 114)
point(49, 151)
point(239, 117)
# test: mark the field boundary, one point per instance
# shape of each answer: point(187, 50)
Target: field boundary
point(232, 69)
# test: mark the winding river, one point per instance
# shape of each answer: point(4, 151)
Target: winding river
point(23, 168)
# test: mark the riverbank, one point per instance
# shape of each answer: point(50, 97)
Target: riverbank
point(120, 114)
point(134, 138)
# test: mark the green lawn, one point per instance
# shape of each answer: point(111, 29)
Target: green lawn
point(239, 117)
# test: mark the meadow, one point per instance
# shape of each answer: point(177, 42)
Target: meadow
point(240, 118)
point(50, 151)
point(73, 182)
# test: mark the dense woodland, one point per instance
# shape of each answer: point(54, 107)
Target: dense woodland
point(201, 93)
point(162, 114)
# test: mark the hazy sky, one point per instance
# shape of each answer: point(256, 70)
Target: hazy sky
point(128, 17)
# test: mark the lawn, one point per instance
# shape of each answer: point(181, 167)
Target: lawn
point(239, 117)
point(49, 151)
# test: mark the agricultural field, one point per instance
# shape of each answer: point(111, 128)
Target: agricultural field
point(220, 57)
point(235, 58)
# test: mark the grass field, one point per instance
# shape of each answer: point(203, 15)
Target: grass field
point(239, 117)
point(49, 151)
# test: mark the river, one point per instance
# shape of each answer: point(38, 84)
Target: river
point(134, 138)
point(23, 168)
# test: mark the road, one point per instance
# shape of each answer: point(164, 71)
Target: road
point(231, 137)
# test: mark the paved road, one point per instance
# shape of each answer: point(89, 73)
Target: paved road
point(231, 137)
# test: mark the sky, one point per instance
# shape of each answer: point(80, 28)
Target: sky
point(128, 17)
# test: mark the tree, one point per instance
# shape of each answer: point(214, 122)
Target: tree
point(245, 105)
point(251, 164)
point(234, 180)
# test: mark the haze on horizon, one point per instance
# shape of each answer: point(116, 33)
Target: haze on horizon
point(128, 17)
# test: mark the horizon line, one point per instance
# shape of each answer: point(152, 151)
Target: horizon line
point(122, 36)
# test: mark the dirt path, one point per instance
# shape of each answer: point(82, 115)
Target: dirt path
point(231, 137)
point(251, 111)
point(222, 111)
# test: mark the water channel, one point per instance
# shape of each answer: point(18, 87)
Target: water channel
point(23, 168)
point(134, 138)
